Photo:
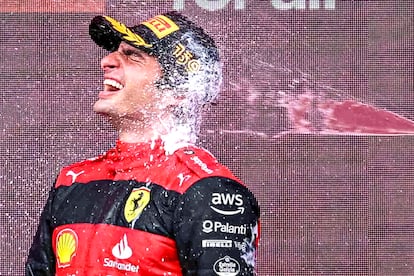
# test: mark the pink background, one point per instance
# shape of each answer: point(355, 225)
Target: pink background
point(331, 202)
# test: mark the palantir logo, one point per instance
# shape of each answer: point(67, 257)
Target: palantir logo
point(121, 250)
point(207, 226)
point(217, 226)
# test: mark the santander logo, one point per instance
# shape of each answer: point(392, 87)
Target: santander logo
point(121, 250)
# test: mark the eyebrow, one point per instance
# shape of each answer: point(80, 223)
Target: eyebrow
point(130, 49)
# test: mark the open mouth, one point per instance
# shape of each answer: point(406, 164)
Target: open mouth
point(112, 85)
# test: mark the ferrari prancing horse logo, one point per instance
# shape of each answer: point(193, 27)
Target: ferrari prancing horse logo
point(136, 202)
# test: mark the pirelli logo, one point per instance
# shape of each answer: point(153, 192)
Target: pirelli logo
point(217, 243)
point(161, 26)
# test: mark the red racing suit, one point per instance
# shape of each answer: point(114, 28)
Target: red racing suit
point(136, 210)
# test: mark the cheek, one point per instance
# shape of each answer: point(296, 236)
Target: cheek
point(144, 85)
point(138, 97)
point(141, 89)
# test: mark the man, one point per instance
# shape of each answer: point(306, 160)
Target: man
point(155, 204)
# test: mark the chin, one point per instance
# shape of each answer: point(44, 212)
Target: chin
point(101, 107)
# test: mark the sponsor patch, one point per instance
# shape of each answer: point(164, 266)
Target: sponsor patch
point(188, 151)
point(227, 204)
point(226, 266)
point(121, 251)
point(120, 266)
point(136, 202)
point(186, 58)
point(201, 164)
point(74, 175)
point(217, 243)
point(161, 26)
point(183, 178)
point(66, 246)
point(217, 226)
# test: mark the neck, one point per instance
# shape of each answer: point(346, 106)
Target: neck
point(156, 127)
point(136, 131)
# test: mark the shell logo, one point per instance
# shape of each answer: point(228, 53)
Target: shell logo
point(66, 245)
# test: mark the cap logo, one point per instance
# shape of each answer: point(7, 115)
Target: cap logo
point(161, 26)
point(185, 57)
point(127, 34)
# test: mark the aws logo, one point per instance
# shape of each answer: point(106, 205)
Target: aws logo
point(136, 202)
point(227, 204)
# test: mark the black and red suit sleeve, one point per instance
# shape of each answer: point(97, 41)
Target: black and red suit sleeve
point(217, 228)
point(41, 261)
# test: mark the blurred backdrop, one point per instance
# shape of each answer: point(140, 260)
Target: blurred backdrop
point(316, 116)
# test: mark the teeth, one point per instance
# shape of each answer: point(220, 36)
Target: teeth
point(113, 83)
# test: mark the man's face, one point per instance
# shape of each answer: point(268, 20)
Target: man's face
point(129, 84)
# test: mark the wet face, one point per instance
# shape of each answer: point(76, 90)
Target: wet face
point(129, 84)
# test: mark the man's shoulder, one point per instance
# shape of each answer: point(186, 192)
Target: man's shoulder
point(201, 161)
point(75, 171)
point(200, 164)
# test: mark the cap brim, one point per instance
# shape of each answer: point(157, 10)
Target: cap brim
point(109, 33)
point(103, 34)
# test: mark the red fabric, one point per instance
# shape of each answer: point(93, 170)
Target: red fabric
point(147, 162)
point(94, 245)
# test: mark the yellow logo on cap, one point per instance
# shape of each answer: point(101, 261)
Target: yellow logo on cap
point(127, 34)
point(136, 202)
point(186, 58)
point(66, 245)
point(161, 26)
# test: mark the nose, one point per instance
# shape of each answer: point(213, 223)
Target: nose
point(110, 61)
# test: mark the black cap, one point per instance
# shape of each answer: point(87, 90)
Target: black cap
point(183, 49)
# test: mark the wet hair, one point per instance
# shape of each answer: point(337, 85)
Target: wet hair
point(197, 89)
